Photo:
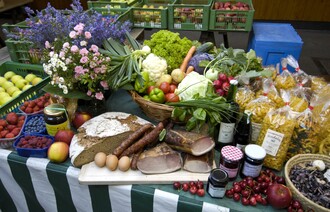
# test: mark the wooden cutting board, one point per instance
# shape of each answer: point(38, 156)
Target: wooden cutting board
point(91, 174)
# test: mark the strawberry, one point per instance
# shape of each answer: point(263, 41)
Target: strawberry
point(28, 110)
point(10, 135)
point(12, 118)
point(10, 127)
point(16, 131)
point(21, 118)
point(20, 123)
point(3, 133)
point(3, 123)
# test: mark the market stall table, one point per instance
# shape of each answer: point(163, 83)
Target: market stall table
point(36, 184)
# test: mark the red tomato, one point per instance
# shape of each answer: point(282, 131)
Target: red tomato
point(172, 88)
point(171, 97)
point(150, 88)
point(165, 87)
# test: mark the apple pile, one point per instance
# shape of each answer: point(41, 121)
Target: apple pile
point(231, 6)
point(13, 84)
point(190, 15)
point(11, 126)
point(194, 187)
point(34, 142)
point(64, 136)
point(80, 117)
point(36, 105)
point(221, 85)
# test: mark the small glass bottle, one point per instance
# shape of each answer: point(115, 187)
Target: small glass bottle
point(230, 159)
point(56, 118)
point(253, 160)
point(217, 182)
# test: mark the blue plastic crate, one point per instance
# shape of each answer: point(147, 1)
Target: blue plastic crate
point(273, 41)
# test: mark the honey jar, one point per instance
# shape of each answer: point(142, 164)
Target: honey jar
point(56, 118)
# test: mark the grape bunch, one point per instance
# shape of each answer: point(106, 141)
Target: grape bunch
point(192, 186)
point(221, 85)
point(252, 191)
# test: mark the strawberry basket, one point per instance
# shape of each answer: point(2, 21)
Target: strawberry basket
point(6, 140)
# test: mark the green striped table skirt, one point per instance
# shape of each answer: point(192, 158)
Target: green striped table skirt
point(35, 184)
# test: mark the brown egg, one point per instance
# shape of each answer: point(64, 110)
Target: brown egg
point(112, 162)
point(124, 163)
point(100, 159)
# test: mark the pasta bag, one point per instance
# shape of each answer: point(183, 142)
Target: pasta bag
point(284, 80)
point(244, 94)
point(275, 135)
point(321, 113)
point(273, 94)
point(304, 138)
point(298, 99)
point(299, 75)
point(317, 83)
point(259, 108)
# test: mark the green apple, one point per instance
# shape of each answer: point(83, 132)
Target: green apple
point(5, 99)
point(16, 93)
point(9, 74)
point(15, 78)
point(30, 77)
point(36, 80)
point(7, 84)
point(2, 89)
point(2, 80)
point(26, 87)
point(21, 83)
point(3, 94)
point(11, 90)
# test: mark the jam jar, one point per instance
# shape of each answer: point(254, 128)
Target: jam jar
point(56, 118)
point(253, 160)
point(230, 160)
point(217, 182)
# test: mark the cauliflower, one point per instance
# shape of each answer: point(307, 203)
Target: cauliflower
point(155, 66)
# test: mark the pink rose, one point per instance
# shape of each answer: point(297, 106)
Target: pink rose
point(79, 70)
point(73, 34)
point(74, 48)
point(79, 28)
point(84, 59)
point(99, 96)
point(104, 84)
point(66, 45)
point(62, 54)
point(83, 51)
point(89, 93)
point(88, 35)
point(94, 48)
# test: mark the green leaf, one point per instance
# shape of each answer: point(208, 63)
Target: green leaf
point(179, 113)
point(200, 114)
point(191, 124)
point(71, 94)
point(134, 43)
point(162, 135)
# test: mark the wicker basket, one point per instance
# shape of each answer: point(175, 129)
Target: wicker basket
point(153, 110)
point(304, 158)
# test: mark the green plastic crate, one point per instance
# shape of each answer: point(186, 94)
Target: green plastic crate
point(231, 20)
point(111, 4)
point(21, 51)
point(189, 15)
point(30, 93)
point(151, 14)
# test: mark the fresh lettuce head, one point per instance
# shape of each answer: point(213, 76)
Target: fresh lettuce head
point(192, 85)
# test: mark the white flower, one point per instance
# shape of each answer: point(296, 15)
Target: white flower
point(61, 80)
point(52, 82)
point(65, 91)
point(83, 43)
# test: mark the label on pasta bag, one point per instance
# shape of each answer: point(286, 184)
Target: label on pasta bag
point(256, 128)
point(272, 142)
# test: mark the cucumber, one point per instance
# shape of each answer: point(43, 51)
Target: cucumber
point(205, 47)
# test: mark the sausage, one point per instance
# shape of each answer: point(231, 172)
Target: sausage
point(145, 140)
point(131, 138)
point(135, 159)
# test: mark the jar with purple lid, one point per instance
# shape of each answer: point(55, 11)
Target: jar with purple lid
point(230, 160)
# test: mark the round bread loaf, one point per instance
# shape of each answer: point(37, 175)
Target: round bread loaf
point(102, 133)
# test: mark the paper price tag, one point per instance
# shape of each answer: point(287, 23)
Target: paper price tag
point(272, 142)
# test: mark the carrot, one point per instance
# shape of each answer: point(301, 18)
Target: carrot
point(190, 69)
point(185, 61)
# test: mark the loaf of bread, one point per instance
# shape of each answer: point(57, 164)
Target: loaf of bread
point(102, 134)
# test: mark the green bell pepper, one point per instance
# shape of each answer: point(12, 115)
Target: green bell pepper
point(141, 85)
point(157, 95)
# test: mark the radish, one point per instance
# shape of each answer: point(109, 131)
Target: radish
point(220, 92)
point(222, 77)
point(225, 86)
point(217, 84)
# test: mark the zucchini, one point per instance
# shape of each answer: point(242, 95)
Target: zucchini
point(205, 47)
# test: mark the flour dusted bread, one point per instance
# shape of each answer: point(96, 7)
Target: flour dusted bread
point(102, 134)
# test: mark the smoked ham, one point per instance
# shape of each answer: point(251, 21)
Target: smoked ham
point(189, 142)
point(199, 164)
point(158, 160)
